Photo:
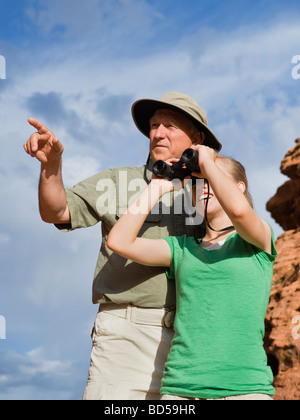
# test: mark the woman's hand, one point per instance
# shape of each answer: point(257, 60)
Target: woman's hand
point(207, 156)
point(165, 185)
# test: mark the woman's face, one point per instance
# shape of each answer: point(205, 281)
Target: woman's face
point(201, 195)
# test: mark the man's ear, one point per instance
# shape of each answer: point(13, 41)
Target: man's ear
point(199, 138)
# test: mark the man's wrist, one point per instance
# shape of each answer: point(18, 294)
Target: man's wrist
point(51, 168)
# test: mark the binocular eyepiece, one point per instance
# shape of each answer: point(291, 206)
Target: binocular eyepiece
point(187, 164)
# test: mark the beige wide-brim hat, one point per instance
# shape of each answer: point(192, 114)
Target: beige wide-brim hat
point(143, 109)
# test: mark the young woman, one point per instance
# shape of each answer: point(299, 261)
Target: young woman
point(223, 283)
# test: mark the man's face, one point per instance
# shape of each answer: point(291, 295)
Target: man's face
point(170, 135)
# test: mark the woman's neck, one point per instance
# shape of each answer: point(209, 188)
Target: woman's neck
point(218, 222)
point(212, 237)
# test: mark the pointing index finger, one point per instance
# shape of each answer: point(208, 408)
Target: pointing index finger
point(41, 128)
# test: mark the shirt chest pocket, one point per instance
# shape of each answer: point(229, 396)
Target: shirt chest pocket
point(152, 225)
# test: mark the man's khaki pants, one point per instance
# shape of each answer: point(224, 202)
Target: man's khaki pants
point(130, 349)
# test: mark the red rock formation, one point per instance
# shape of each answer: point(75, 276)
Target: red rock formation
point(282, 341)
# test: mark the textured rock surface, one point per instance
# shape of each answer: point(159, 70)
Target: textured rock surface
point(285, 205)
point(282, 341)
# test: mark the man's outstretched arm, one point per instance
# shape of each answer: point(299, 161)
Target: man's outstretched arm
point(46, 148)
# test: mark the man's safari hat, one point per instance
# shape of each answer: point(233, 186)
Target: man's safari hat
point(143, 109)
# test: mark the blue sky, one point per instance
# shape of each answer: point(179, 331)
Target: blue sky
point(78, 66)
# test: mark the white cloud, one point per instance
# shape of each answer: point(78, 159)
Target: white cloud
point(77, 168)
point(34, 376)
point(104, 23)
point(264, 181)
point(36, 365)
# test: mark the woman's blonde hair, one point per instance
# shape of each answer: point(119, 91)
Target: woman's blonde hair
point(238, 174)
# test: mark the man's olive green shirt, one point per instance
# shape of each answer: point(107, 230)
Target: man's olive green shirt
point(104, 198)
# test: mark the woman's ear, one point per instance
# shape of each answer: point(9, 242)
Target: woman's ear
point(241, 185)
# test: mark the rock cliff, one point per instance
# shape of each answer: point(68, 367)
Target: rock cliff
point(282, 340)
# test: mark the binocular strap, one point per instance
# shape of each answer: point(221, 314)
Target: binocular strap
point(206, 218)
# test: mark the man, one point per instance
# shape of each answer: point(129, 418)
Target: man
point(133, 329)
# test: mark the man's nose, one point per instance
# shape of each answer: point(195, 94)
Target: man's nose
point(161, 132)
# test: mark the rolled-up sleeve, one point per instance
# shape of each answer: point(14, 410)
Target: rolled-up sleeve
point(84, 204)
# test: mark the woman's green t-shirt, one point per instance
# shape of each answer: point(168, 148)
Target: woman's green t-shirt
point(222, 298)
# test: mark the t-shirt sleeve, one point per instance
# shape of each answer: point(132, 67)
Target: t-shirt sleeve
point(273, 250)
point(171, 241)
point(265, 255)
point(86, 207)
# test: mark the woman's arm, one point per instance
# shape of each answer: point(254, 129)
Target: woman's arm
point(123, 239)
point(232, 199)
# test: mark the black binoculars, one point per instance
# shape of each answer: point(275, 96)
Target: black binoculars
point(187, 164)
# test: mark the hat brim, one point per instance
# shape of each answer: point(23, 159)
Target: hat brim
point(143, 109)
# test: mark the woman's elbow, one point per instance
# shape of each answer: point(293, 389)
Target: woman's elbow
point(115, 244)
point(240, 212)
point(111, 243)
